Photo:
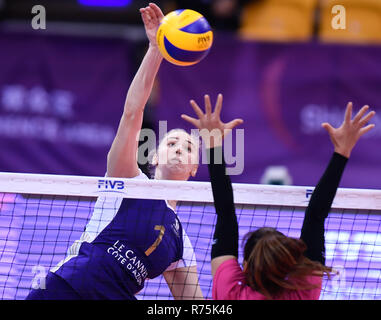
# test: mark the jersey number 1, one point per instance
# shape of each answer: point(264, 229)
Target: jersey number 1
point(157, 241)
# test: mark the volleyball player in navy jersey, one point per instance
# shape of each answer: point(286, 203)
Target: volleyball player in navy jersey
point(275, 266)
point(128, 241)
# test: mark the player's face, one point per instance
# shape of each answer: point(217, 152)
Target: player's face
point(178, 152)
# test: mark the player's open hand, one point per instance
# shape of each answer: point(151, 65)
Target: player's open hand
point(151, 16)
point(346, 136)
point(212, 129)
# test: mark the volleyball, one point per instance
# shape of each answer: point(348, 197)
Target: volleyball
point(184, 37)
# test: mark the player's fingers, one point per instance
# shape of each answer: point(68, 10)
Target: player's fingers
point(366, 118)
point(360, 114)
point(348, 112)
point(328, 127)
point(218, 108)
point(232, 124)
point(142, 11)
point(208, 105)
point(366, 129)
point(191, 120)
point(150, 11)
point(158, 13)
point(145, 16)
point(196, 109)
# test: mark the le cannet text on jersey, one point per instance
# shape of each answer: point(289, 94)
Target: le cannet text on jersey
point(129, 260)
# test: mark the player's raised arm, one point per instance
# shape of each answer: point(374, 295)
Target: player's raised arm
point(344, 140)
point(122, 157)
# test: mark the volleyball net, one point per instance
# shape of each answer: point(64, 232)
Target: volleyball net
point(41, 216)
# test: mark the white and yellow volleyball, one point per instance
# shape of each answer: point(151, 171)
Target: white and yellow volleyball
point(184, 37)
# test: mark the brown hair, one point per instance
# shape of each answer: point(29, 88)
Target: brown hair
point(273, 259)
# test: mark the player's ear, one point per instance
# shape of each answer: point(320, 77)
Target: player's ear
point(244, 265)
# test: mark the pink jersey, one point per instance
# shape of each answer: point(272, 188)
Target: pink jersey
point(229, 284)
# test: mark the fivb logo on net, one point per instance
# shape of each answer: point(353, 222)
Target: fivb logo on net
point(111, 185)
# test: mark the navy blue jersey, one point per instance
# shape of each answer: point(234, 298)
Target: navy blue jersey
point(115, 256)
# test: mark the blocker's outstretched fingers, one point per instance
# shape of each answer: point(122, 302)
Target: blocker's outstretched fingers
point(366, 129)
point(345, 137)
point(232, 124)
point(191, 120)
point(360, 114)
point(196, 109)
point(348, 113)
point(366, 118)
point(208, 105)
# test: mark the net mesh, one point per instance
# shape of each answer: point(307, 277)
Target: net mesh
point(36, 231)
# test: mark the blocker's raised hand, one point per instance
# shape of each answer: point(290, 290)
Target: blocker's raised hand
point(209, 123)
point(346, 136)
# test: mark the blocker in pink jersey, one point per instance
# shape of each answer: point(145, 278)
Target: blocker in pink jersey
point(229, 284)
